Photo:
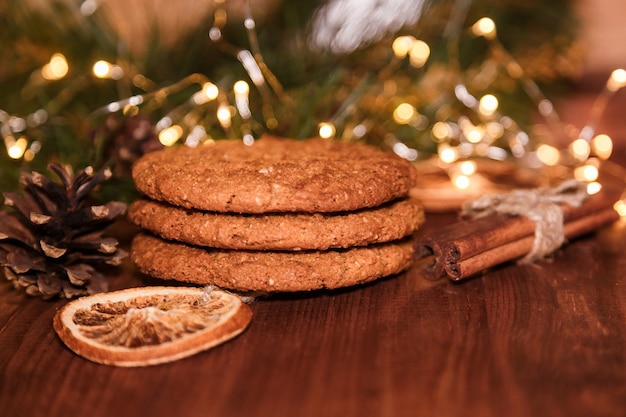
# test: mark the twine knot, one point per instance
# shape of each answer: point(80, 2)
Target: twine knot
point(541, 205)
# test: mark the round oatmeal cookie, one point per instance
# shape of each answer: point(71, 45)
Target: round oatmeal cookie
point(269, 271)
point(279, 231)
point(274, 175)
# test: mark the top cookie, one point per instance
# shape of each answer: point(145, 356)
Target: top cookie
point(274, 175)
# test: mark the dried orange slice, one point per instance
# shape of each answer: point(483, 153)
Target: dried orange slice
point(150, 325)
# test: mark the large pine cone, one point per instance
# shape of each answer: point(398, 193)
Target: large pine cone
point(51, 242)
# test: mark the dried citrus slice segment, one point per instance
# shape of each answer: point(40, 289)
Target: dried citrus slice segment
point(150, 325)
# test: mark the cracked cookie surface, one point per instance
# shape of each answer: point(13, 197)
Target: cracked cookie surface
point(274, 175)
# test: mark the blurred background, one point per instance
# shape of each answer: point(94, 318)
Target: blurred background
point(440, 82)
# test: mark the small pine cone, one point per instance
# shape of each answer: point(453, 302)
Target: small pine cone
point(49, 245)
point(125, 140)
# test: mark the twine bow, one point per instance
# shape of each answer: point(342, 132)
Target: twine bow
point(541, 205)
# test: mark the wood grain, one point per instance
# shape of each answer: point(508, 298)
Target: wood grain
point(536, 340)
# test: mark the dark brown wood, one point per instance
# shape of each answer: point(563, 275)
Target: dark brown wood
point(547, 339)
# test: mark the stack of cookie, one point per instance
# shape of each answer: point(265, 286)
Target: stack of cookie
point(278, 215)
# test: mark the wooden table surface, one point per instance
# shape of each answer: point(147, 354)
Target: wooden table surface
point(536, 340)
point(542, 340)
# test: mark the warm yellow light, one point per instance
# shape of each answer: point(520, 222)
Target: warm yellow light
point(170, 135)
point(404, 113)
point(488, 105)
point(17, 148)
point(241, 88)
point(208, 93)
point(594, 188)
point(101, 69)
point(462, 182)
point(474, 134)
point(419, 53)
point(210, 90)
point(326, 130)
point(586, 173)
point(617, 80)
point(402, 45)
point(548, 155)
point(485, 27)
point(224, 115)
point(494, 130)
point(468, 168)
point(56, 69)
point(602, 146)
point(581, 149)
point(441, 130)
point(620, 208)
point(447, 154)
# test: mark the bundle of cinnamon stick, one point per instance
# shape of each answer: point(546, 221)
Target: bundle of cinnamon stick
point(469, 246)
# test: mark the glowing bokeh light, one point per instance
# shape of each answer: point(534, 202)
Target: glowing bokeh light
point(402, 45)
point(617, 80)
point(548, 155)
point(602, 146)
point(326, 130)
point(581, 149)
point(488, 104)
point(56, 69)
point(485, 27)
point(404, 113)
point(419, 53)
point(170, 135)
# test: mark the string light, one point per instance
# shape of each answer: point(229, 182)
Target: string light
point(404, 113)
point(224, 116)
point(462, 182)
point(208, 93)
point(196, 136)
point(402, 45)
point(56, 69)
point(548, 155)
point(419, 53)
point(15, 148)
point(104, 69)
point(467, 167)
point(602, 146)
point(326, 130)
point(170, 135)
point(404, 151)
point(620, 207)
point(441, 131)
point(586, 173)
point(594, 187)
point(241, 90)
point(485, 27)
point(617, 80)
point(474, 134)
point(488, 105)
point(456, 136)
point(447, 154)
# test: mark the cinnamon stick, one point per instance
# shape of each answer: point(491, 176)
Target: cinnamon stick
point(465, 247)
point(458, 270)
point(431, 246)
point(514, 228)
